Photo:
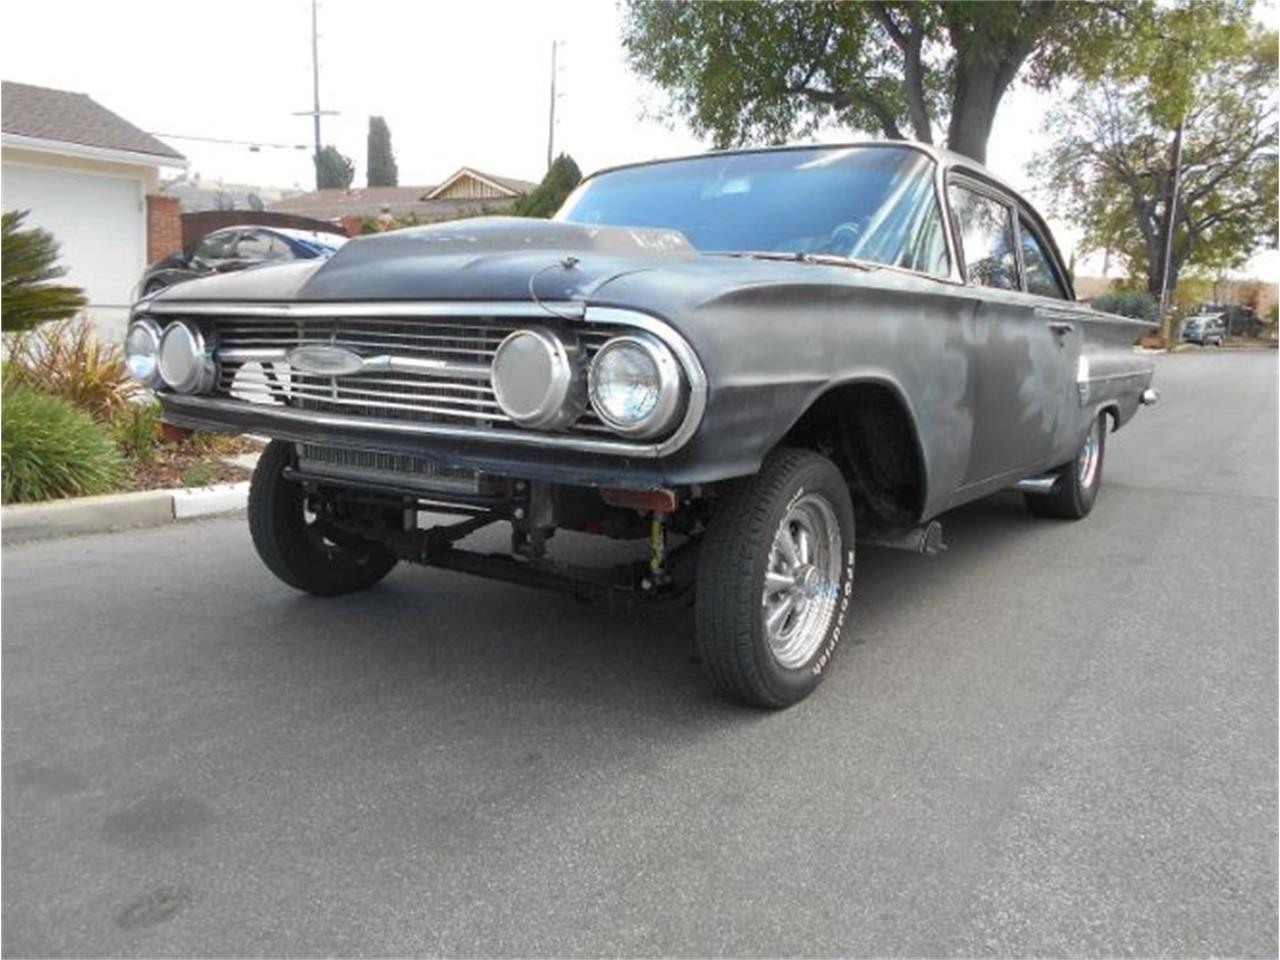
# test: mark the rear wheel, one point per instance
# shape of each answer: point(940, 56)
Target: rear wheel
point(775, 575)
point(1078, 481)
point(297, 545)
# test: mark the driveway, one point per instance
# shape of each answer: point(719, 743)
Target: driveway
point(1055, 738)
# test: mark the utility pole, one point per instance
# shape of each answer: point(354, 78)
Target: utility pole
point(315, 76)
point(1172, 223)
point(315, 113)
point(551, 123)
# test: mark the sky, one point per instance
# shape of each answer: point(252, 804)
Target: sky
point(460, 82)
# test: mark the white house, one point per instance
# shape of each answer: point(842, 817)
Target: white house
point(92, 179)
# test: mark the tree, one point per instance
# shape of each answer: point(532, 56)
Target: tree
point(1201, 94)
point(30, 264)
point(333, 170)
point(380, 165)
point(746, 72)
point(545, 199)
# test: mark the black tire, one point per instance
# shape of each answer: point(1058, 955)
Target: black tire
point(292, 549)
point(734, 556)
point(1078, 484)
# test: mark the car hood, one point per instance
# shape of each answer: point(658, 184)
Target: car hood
point(486, 258)
point(519, 259)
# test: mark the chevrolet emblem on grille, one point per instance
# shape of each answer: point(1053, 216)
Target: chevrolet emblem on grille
point(325, 361)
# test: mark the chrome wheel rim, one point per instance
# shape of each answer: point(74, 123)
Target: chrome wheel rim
point(802, 580)
point(1087, 460)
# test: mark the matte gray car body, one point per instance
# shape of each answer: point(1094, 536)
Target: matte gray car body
point(996, 384)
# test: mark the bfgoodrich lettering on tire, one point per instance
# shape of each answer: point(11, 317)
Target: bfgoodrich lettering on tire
point(775, 579)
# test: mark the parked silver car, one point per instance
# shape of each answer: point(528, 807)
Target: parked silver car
point(1208, 330)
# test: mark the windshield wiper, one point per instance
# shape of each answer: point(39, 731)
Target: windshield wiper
point(797, 256)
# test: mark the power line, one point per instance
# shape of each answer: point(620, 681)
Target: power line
point(253, 145)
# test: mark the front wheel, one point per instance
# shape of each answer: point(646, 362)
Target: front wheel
point(294, 542)
point(1078, 481)
point(775, 576)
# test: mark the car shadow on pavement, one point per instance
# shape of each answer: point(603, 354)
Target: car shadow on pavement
point(443, 638)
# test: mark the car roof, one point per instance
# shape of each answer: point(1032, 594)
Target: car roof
point(948, 158)
point(291, 232)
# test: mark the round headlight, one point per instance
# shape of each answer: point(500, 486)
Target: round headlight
point(538, 380)
point(141, 352)
point(635, 385)
point(185, 360)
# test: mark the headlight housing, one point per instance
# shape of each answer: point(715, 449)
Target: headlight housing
point(539, 380)
point(635, 385)
point(186, 360)
point(142, 352)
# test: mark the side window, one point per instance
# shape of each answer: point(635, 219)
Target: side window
point(280, 250)
point(254, 246)
point(928, 251)
point(216, 246)
point(986, 239)
point(1041, 280)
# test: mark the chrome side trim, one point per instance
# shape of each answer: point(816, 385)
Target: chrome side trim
point(684, 353)
point(392, 308)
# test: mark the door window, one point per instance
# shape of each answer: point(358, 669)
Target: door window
point(254, 246)
point(216, 246)
point(986, 239)
point(280, 250)
point(1041, 279)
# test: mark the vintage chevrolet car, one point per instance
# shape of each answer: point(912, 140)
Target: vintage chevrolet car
point(748, 362)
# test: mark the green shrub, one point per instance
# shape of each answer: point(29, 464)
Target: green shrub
point(136, 429)
point(1128, 303)
point(545, 199)
point(67, 359)
point(49, 449)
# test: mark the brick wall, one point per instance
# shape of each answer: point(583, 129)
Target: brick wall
point(164, 227)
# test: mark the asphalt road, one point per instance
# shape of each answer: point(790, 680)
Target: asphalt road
point(1056, 739)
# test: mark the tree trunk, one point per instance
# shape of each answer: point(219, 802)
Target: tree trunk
point(973, 108)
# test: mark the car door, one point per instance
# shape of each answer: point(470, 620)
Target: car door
point(1046, 285)
point(1017, 349)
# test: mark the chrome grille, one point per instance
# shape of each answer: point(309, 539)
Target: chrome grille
point(454, 388)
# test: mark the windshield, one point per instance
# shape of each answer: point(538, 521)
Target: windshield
point(868, 203)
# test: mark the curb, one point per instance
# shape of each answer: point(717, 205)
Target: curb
point(25, 522)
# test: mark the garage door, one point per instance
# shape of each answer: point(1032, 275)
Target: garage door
point(98, 220)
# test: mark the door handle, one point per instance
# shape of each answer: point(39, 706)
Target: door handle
point(1061, 327)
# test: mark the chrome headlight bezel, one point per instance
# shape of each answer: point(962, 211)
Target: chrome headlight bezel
point(191, 366)
point(668, 381)
point(148, 332)
point(539, 379)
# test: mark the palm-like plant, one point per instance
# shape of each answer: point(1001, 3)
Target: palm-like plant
point(30, 264)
